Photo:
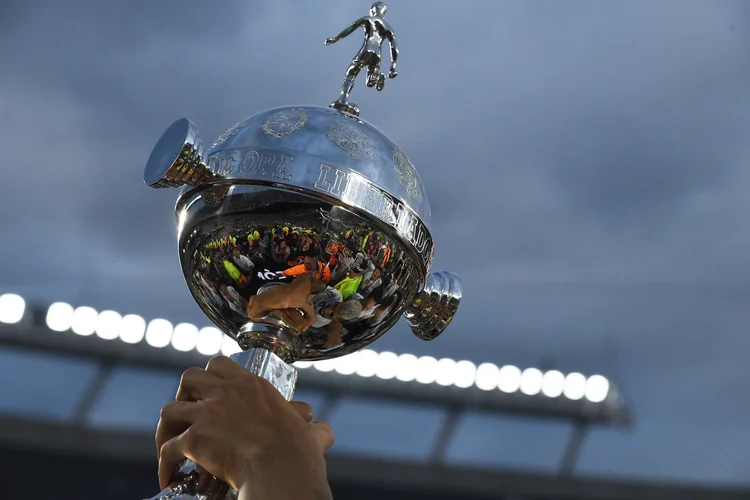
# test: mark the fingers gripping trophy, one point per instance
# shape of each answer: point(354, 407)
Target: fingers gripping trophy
point(304, 234)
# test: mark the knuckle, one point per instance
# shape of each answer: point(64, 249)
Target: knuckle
point(217, 362)
point(212, 363)
point(166, 411)
point(189, 374)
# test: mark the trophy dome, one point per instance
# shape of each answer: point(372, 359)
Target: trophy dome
point(323, 149)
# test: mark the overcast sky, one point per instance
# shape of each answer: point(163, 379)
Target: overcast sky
point(587, 164)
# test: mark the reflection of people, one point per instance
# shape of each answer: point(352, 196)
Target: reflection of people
point(350, 284)
point(376, 31)
point(368, 306)
point(368, 286)
point(327, 298)
point(311, 265)
point(245, 264)
point(281, 252)
point(244, 433)
point(292, 303)
point(339, 312)
point(233, 299)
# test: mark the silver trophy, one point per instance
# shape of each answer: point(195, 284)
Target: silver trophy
point(313, 202)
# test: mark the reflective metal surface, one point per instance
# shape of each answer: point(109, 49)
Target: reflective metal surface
point(303, 232)
point(332, 155)
point(304, 191)
point(433, 309)
point(358, 278)
point(370, 55)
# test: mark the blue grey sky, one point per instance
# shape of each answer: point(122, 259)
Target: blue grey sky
point(586, 161)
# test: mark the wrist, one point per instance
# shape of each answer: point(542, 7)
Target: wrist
point(283, 473)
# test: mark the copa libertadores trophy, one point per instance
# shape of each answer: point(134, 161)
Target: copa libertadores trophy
point(303, 196)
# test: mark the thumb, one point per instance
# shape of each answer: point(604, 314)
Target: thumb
point(323, 435)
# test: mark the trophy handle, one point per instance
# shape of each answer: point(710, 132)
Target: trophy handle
point(191, 482)
point(178, 158)
point(434, 307)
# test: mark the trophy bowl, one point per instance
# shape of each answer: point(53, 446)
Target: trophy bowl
point(309, 192)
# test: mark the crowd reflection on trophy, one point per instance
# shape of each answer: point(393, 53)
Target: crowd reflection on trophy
point(357, 276)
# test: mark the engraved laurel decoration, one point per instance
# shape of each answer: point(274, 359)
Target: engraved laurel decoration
point(350, 139)
point(231, 132)
point(407, 174)
point(285, 122)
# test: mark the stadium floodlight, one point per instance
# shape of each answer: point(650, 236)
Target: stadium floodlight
point(445, 372)
point(159, 333)
point(229, 346)
point(406, 367)
point(84, 321)
point(12, 308)
point(597, 388)
point(367, 363)
point(465, 374)
point(488, 375)
point(427, 367)
point(60, 317)
point(132, 329)
point(531, 381)
point(347, 365)
point(575, 386)
point(108, 325)
point(325, 366)
point(185, 337)
point(553, 384)
point(386, 365)
point(209, 341)
point(509, 379)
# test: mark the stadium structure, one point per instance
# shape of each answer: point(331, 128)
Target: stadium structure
point(60, 452)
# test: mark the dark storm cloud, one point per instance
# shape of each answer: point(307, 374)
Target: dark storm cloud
point(586, 164)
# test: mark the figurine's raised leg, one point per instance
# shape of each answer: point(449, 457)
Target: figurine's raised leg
point(375, 78)
point(381, 82)
point(372, 75)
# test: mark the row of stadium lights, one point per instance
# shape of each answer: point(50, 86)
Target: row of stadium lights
point(209, 341)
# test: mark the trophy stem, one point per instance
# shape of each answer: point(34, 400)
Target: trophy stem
point(191, 482)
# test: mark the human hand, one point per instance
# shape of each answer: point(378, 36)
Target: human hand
point(239, 428)
point(329, 41)
point(291, 303)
